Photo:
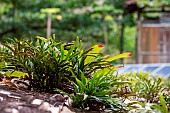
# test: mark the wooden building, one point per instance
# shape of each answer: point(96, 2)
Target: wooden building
point(153, 39)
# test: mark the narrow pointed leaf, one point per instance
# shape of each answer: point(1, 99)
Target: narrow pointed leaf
point(93, 53)
point(123, 55)
point(16, 73)
point(41, 38)
point(163, 103)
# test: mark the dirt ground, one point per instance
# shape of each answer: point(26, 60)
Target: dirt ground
point(14, 100)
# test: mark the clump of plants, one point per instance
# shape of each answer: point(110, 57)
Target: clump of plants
point(146, 86)
point(50, 65)
point(151, 92)
point(44, 62)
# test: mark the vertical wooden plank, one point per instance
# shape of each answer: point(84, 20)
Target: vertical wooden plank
point(154, 44)
point(149, 43)
point(154, 40)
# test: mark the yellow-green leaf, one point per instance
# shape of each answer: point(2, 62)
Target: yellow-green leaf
point(16, 73)
point(95, 50)
point(2, 64)
point(123, 55)
point(50, 10)
point(41, 38)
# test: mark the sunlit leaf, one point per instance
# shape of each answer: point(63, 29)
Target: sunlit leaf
point(16, 73)
point(2, 64)
point(41, 38)
point(163, 103)
point(50, 10)
point(108, 18)
point(95, 50)
point(123, 55)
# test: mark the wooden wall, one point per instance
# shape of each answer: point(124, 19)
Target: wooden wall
point(154, 44)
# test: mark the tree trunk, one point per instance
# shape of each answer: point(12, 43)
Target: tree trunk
point(105, 34)
point(122, 40)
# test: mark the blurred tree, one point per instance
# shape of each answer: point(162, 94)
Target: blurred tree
point(95, 21)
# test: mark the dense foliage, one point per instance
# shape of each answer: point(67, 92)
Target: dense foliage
point(51, 63)
point(87, 76)
point(51, 66)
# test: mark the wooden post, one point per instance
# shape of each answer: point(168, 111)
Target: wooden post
point(49, 26)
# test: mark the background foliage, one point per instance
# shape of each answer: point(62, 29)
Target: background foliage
point(94, 21)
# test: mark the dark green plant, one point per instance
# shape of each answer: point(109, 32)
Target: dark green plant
point(52, 65)
point(162, 107)
point(49, 63)
point(46, 62)
point(150, 87)
point(95, 93)
point(2, 66)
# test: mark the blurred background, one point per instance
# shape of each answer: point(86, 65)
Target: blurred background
point(139, 26)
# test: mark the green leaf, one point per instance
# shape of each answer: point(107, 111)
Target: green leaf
point(155, 106)
point(41, 38)
point(102, 93)
point(136, 102)
point(8, 46)
point(16, 73)
point(2, 64)
point(120, 83)
point(62, 52)
point(123, 55)
point(109, 99)
point(94, 51)
point(50, 10)
point(163, 103)
point(84, 79)
point(81, 84)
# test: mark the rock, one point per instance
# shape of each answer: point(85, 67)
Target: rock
point(54, 109)
point(11, 110)
point(44, 106)
point(28, 98)
point(66, 110)
point(37, 102)
point(69, 101)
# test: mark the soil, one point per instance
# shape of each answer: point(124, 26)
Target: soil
point(14, 99)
